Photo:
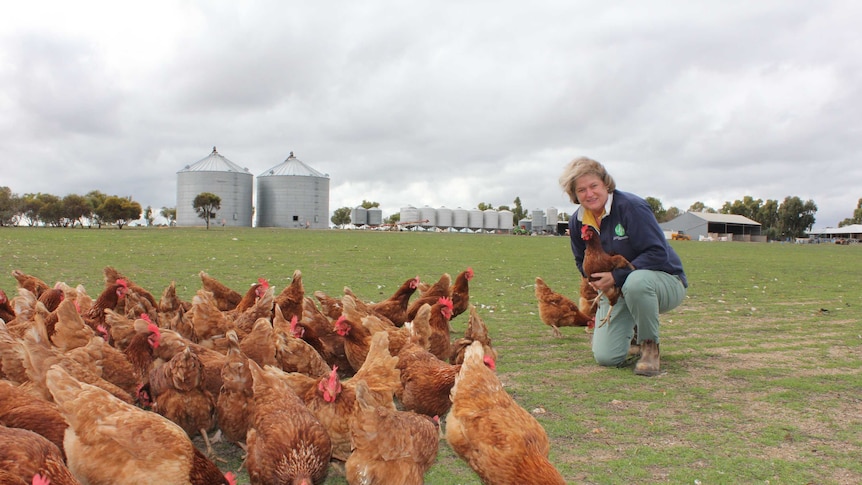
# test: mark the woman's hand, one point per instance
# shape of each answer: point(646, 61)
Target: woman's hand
point(602, 281)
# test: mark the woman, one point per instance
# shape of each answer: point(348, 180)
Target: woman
point(627, 227)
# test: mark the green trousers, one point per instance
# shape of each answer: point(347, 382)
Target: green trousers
point(646, 294)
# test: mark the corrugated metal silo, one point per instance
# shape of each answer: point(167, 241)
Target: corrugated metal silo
point(294, 195)
point(476, 219)
point(460, 218)
point(444, 218)
point(375, 216)
point(491, 220)
point(527, 224)
point(217, 175)
point(538, 220)
point(552, 214)
point(359, 216)
point(409, 214)
point(506, 220)
point(428, 215)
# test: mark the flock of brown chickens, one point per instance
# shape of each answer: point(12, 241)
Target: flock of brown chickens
point(112, 390)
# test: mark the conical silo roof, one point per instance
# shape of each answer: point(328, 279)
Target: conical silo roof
point(215, 162)
point(293, 166)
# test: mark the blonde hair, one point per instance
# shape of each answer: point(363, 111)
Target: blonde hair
point(579, 167)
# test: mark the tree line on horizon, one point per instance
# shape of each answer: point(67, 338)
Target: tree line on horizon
point(92, 210)
point(787, 219)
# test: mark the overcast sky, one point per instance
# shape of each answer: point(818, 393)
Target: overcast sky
point(441, 104)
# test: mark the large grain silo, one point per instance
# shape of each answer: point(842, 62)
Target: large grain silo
point(428, 216)
point(359, 216)
point(293, 195)
point(506, 220)
point(490, 220)
point(217, 175)
point(460, 219)
point(444, 218)
point(375, 216)
point(476, 219)
point(538, 224)
point(552, 214)
point(409, 215)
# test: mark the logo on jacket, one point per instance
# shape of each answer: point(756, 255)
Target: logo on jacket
point(620, 230)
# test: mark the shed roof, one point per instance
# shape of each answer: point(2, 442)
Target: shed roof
point(293, 166)
point(848, 230)
point(724, 218)
point(215, 162)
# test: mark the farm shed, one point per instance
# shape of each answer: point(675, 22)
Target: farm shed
point(718, 227)
point(834, 234)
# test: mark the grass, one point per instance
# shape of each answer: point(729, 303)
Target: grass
point(762, 359)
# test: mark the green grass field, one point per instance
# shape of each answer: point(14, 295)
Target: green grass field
point(762, 360)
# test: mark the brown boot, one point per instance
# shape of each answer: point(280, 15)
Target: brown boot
point(649, 364)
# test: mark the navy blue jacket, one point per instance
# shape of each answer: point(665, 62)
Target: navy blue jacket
point(630, 229)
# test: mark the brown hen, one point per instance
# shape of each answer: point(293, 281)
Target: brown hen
point(109, 441)
point(285, 442)
point(557, 310)
point(499, 440)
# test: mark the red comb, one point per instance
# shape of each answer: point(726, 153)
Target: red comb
point(445, 302)
point(469, 273)
point(123, 283)
point(230, 477)
point(146, 318)
point(263, 282)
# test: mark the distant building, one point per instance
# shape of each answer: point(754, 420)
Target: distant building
point(217, 175)
point(293, 195)
point(717, 227)
point(853, 231)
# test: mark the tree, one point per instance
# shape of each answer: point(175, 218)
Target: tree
point(77, 208)
point(671, 214)
point(483, 206)
point(393, 219)
point(96, 199)
point(9, 207)
point(369, 205)
point(701, 207)
point(148, 215)
point(518, 212)
point(795, 217)
point(50, 209)
point(207, 204)
point(169, 213)
point(118, 210)
point(857, 216)
point(747, 207)
point(767, 216)
point(341, 217)
point(31, 204)
point(657, 208)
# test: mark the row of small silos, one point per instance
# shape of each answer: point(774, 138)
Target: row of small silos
point(457, 219)
point(361, 216)
point(290, 194)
